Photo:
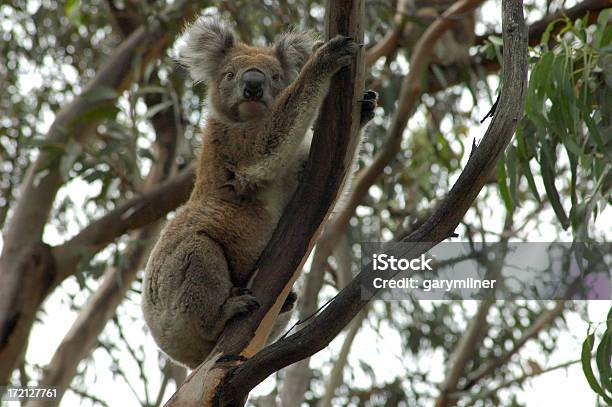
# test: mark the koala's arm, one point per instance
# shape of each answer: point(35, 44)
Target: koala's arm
point(295, 110)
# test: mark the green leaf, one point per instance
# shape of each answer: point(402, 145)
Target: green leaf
point(546, 35)
point(573, 177)
point(606, 39)
point(602, 25)
point(604, 361)
point(530, 180)
point(595, 133)
point(587, 348)
point(153, 110)
point(503, 186)
point(547, 161)
point(578, 215)
point(511, 158)
point(72, 11)
point(151, 89)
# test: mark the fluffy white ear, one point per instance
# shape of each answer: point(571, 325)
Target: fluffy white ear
point(293, 49)
point(206, 42)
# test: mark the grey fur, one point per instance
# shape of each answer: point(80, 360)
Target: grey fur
point(293, 48)
point(207, 41)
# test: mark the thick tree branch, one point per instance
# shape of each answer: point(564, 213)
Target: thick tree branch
point(325, 326)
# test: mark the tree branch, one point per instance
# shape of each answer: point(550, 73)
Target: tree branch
point(391, 40)
point(518, 380)
point(593, 7)
point(132, 214)
point(540, 323)
point(447, 216)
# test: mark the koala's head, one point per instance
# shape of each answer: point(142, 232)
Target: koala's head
point(243, 80)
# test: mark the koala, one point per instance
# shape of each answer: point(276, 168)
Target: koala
point(262, 102)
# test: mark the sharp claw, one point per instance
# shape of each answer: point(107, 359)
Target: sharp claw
point(370, 95)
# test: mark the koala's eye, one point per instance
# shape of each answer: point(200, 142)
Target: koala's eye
point(229, 75)
point(276, 77)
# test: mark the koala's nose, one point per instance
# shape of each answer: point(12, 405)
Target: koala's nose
point(253, 84)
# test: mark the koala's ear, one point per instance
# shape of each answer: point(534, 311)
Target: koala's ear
point(207, 42)
point(293, 49)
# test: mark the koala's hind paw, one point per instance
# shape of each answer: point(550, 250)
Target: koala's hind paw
point(289, 302)
point(238, 291)
point(240, 304)
point(368, 105)
point(337, 53)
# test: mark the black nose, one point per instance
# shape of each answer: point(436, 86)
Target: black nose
point(253, 84)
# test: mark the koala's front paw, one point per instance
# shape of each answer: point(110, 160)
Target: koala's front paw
point(368, 105)
point(336, 53)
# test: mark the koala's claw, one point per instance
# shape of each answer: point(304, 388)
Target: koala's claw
point(368, 105)
point(370, 95)
point(337, 52)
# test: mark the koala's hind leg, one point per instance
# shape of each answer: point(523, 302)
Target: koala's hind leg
point(207, 295)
